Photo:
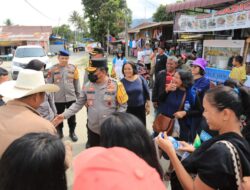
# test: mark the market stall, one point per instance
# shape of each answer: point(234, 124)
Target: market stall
point(218, 54)
point(231, 23)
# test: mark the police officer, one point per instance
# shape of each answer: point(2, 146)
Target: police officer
point(100, 96)
point(94, 53)
point(66, 76)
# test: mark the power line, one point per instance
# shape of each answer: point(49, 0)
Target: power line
point(39, 11)
point(152, 4)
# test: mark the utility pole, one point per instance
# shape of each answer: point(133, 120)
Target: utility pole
point(126, 28)
point(108, 41)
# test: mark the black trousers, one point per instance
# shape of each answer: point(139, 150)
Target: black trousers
point(71, 121)
point(139, 112)
point(93, 139)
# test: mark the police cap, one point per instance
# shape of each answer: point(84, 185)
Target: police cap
point(96, 63)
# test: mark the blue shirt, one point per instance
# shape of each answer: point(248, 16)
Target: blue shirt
point(201, 85)
point(135, 91)
point(172, 103)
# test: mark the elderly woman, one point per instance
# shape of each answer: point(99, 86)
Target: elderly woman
point(218, 163)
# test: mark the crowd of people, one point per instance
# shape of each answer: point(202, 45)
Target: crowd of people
point(210, 124)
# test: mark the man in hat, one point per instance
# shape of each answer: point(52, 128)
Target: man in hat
point(100, 96)
point(66, 76)
point(19, 116)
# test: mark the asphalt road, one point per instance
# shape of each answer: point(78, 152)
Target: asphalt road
point(80, 59)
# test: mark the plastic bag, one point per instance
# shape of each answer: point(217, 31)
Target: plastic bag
point(176, 129)
point(121, 96)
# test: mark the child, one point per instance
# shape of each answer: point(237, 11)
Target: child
point(239, 70)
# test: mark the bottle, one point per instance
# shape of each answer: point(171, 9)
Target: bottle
point(186, 105)
point(175, 143)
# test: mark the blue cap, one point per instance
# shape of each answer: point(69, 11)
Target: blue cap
point(63, 52)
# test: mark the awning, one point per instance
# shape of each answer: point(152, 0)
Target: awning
point(196, 4)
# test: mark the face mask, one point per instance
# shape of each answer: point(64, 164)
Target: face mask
point(92, 77)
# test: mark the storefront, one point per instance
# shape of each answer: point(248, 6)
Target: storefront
point(235, 18)
point(13, 36)
point(190, 42)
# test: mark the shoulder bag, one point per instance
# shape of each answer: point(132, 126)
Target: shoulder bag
point(236, 162)
point(164, 123)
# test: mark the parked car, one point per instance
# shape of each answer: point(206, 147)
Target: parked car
point(81, 47)
point(24, 54)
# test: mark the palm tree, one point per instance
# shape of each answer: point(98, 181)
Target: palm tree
point(77, 20)
point(74, 18)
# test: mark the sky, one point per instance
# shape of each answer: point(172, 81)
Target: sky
point(56, 12)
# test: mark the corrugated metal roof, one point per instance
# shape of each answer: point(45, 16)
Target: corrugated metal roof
point(195, 4)
point(149, 25)
point(18, 33)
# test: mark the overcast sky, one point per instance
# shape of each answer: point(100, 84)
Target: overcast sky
point(56, 12)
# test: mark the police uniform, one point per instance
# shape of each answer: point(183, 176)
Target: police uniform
point(95, 53)
point(101, 100)
point(67, 78)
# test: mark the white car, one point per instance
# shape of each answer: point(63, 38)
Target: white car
point(24, 54)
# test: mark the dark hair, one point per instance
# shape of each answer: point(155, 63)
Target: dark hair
point(35, 64)
point(239, 59)
point(155, 48)
point(232, 83)
point(191, 57)
point(201, 71)
point(126, 130)
point(34, 161)
point(235, 85)
point(119, 52)
point(186, 78)
point(132, 65)
point(236, 99)
point(3, 72)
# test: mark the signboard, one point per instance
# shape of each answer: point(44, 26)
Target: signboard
point(217, 75)
point(220, 76)
point(234, 17)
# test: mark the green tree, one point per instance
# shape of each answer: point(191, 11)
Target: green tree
point(8, 22)
point(78, 21)
point(104, 15)
point(161, 14)
point(64, 31)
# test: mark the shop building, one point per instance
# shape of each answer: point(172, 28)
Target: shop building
point(223, 28)
point(155, 33)
point(13, 36)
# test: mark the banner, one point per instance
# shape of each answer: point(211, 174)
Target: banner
point(217, 75)
point(234, 17)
